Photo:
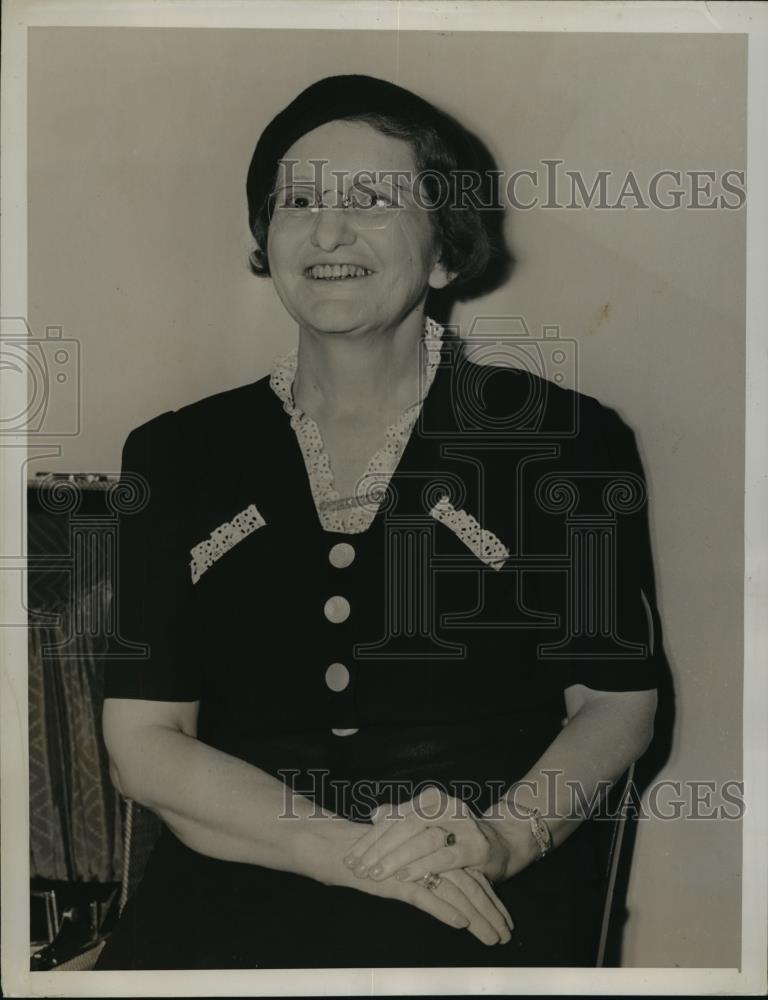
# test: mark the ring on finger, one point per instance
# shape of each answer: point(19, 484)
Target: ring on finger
point(449, 839)
point(430, 880)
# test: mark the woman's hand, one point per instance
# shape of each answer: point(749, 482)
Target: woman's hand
point(459, 899)
point(435, 832)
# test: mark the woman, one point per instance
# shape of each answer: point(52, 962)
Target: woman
point(359, 655)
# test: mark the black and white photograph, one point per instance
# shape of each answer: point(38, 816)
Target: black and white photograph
point(384, 488)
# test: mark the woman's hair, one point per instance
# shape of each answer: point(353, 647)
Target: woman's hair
point(454, 166)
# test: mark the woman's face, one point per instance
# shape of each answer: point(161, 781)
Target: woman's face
point(399, 254)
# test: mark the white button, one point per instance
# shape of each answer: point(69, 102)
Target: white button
point(337, 677)
point(337, 609)
point(344, 732)
point(342, 555)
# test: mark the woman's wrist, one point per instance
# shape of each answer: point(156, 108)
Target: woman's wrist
point(321, 846)
point(519, 846)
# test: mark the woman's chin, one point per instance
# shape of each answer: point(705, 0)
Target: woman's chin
point(337, 315)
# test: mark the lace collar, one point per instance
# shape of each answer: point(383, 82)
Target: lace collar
point(352, 515)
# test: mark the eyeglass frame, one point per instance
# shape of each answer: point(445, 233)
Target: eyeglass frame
point(384, 216)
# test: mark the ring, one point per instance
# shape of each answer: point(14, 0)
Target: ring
point(449, 838)
point(431, 881)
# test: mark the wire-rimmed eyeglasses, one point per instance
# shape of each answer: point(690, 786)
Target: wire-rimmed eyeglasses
point(366, 206)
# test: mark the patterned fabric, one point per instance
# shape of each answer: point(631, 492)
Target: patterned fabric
point(48, 854)
point(75, 828)
point(483, 543)
point(225, 537)
point(352, 515)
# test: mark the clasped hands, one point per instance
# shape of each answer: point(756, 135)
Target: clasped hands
point(435, 841)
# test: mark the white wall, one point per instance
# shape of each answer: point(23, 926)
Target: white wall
point(139, 141)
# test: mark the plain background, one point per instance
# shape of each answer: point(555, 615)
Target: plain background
point(139, 140)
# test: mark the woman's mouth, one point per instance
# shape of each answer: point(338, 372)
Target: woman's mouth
point(336, 272)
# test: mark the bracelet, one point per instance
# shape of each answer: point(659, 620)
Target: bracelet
point(539, 829)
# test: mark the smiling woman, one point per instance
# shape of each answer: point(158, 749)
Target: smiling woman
point(357, 677)
point(398, 260)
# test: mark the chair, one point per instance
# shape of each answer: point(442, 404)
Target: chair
point(141, 828)
point(617, 859)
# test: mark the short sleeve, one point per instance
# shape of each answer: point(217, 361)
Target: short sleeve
point(623, 598)
point(149, 656)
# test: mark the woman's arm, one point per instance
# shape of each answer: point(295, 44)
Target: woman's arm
point(226, 808)
point(214, 803)
point(606, 732)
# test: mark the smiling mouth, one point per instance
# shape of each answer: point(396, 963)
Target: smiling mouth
point(336, 272)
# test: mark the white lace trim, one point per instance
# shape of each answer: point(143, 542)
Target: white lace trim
point(222, 539)
point(481, 541)
point(335, 513)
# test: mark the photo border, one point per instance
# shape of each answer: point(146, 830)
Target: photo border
point(742, 18)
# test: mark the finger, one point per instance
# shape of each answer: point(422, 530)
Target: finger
point(484, 903)
point(443, 860)
point(385, 817)
point(364, 843)
point(397, 834)
point(423, 852)
point(468, 850)
point(452, 890)
point(491, 893)
point(428, 901)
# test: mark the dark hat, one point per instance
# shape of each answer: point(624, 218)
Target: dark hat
point(336, 98)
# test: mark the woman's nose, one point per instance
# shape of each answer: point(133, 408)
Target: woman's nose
point(332, 229)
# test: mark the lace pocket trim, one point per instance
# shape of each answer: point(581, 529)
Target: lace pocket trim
point(485, 545)
point(222, 539)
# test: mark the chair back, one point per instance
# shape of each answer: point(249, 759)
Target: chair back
point(619, 797)
point(141, 828)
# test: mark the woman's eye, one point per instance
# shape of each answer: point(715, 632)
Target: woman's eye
point(373, 199)
point(295, 198)
point(300, 201)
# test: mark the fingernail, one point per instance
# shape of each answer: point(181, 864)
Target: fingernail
point(403, 874)
point(376, 871)
point(361, 871)
point(349, 860)
point(460, 922)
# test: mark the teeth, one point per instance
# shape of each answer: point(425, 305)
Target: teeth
point(332, 272)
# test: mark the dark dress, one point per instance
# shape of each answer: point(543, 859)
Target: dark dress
point(456, 669)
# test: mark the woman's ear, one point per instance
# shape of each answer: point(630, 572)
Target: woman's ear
point(440, 276)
